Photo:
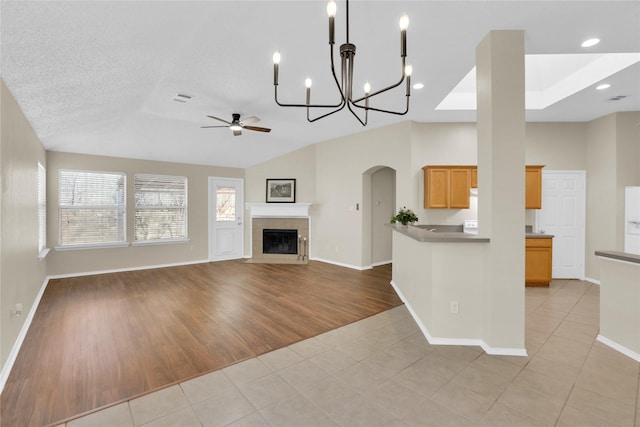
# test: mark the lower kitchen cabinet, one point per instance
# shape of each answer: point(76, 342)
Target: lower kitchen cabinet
point(538, 256)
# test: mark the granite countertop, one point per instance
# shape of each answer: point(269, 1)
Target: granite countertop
point(453, 233)
point(620, 256)
point(538, 236)
point(529, 234)
point(421, 233)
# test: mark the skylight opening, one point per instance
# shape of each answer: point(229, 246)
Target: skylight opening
point(549, 78)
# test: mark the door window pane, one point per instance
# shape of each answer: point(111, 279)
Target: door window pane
point(225, 204)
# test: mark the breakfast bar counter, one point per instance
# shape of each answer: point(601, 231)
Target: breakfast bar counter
point(620, 302)
point(422, 234)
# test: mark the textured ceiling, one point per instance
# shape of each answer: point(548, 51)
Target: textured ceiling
point(100, 77)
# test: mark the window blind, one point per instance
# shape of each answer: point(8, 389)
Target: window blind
point(160, 207)
point(92, 207)
point(42, 208)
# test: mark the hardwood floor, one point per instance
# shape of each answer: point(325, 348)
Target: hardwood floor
point(98, 340)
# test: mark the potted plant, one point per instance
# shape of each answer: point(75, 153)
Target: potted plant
point(404, 217)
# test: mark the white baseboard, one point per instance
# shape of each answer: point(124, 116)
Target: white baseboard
point(496, 351)
point(6, 369)
point(119, 270)
point(594, 281)
point(340, 264)
point(622, 349)
point(378, 264)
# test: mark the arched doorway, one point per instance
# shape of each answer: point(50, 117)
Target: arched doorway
point(378, 205)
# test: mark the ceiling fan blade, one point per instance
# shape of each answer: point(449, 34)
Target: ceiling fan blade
point(256, 128)
point(249, 121)
point(221, 126)
point(219, 119)
point(237, 133)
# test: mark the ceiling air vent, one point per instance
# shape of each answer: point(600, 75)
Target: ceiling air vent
point(181, 97)
point(617, 98)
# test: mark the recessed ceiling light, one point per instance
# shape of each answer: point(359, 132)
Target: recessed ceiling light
point(418, 86)
point(603, 86)
point(590, 42)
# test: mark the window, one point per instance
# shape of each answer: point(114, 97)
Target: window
point(225, 204)
point(161, 207)
point(42, 209)
point(92, 207)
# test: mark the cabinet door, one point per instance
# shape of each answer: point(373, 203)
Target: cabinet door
point(474, 177)
point(538, 256)
point(533, 191)
point(459, 188)
point(436, 184)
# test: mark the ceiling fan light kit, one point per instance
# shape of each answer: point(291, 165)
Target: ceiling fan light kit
point(345, 83)
point(237, 125)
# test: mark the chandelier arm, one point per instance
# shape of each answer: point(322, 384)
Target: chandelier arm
point(378, 92)
point(304, 105)
point(380, 110)
point(324, 115)
point(363, 123)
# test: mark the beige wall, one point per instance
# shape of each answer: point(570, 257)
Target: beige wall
point(613, 143)
point(326, 168)
point(557, 146)
point(340, 165)
point(299, 164)
point(21, 273)
point(87, 260)
point(627, 165)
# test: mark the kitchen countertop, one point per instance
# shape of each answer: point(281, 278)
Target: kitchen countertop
point(453, 233)
point(421, 234)
point(620, 256)
point(529, 234)
point(538, 236)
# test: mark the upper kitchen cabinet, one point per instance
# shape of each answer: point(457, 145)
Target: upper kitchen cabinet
point(533, 190)
point(447, 187)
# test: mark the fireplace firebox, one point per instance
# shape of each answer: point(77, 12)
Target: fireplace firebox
point(278, 241)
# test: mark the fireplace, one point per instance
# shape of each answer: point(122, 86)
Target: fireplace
point(279, 241)
point(291, 221)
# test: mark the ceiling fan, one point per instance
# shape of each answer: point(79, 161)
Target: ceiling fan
point(236, 125)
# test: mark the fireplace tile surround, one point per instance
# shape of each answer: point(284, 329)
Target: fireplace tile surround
point(287, 216)
point(259, 224)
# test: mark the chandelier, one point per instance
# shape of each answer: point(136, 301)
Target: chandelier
point(345, 83)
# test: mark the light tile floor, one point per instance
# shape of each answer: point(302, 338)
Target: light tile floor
point(382, 372)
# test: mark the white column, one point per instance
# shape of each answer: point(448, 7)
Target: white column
point(501, 184)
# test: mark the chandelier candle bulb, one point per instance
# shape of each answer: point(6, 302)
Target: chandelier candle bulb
point(307, 83)
point(331, 11)
point(276, 61)
point(404, 24)
point(367, 91)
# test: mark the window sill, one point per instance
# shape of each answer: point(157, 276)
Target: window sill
point(43, 253)
point(160, 242)
point(92, 246)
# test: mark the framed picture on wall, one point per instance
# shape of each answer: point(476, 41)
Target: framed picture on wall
point(281, 190)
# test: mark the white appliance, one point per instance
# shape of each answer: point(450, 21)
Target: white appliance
point(471, 226)
point(632, 220)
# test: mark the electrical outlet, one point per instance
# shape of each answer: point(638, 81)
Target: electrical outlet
point(454, 307)
point(17, 310)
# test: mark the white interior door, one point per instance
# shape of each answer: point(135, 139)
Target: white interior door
point(226, 218)
point(563, 215)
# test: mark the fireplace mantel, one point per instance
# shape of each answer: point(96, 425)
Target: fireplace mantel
point(278, 210)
